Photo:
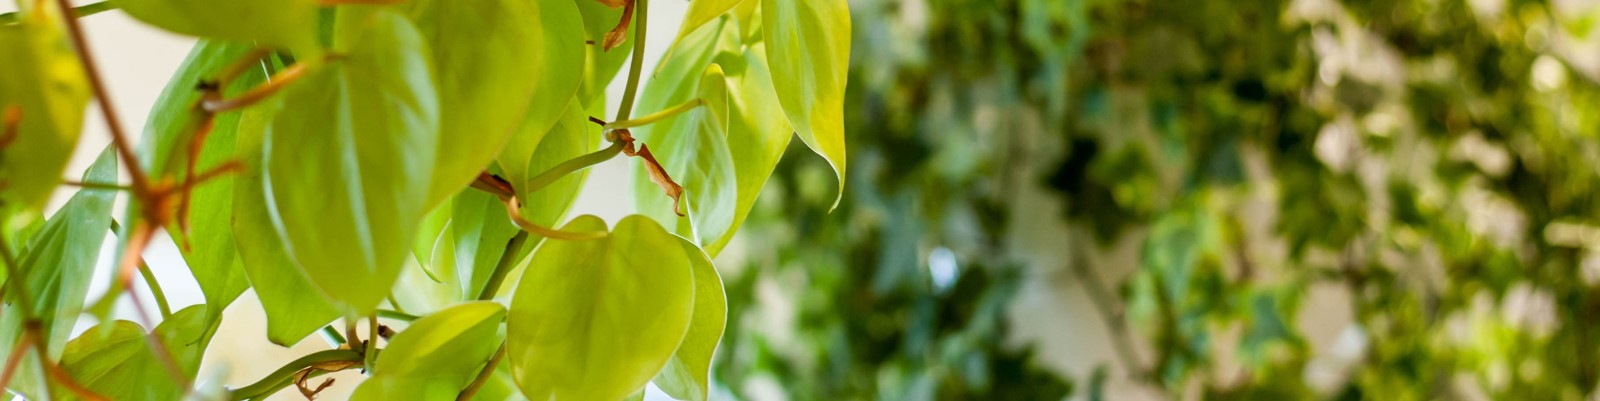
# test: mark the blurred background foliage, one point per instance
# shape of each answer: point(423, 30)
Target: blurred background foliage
point(1324, 199)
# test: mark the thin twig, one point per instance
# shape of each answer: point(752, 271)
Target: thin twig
point(15, 359)
point(119, 139)
point(637, 67)
point(282, 377)
point(155, 290)
point(216, 104)
point(657, 116)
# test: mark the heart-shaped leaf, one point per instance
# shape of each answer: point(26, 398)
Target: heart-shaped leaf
point(685, 376)
point(808, 42)
point(576, 317)
point(437, 355)
point(116, 361)
point(349, 154)
point(284, 23)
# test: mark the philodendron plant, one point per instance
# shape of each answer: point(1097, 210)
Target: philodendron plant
point(407, 165)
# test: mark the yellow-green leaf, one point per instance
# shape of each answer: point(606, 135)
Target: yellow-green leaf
point(116, 361)
point(576, 319)
point(495, 58)
point(602, 65)
point(701, 12)
point(436, 356)
point(759, 138)
point(43, 84)
point(685, 376)
point(349, 154)
point(808, 43)
point(282, 23)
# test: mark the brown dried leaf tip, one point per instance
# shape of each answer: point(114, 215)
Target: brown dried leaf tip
point(304, 375)
point(11, 121)
point(619, 34)
point(658, 175)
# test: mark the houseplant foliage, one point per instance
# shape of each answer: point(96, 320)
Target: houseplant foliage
point(324, 152)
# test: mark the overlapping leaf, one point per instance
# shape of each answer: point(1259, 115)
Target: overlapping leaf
point(437, 355)
point(602, 65)
point(560, 73)
point(692, 146)
point(44, 88)
point(685, 376)
point(808, 42)
point(758, 136)
point(117, 361)
point(596, 320)
point(702, 12)
point(497, 61)
point(349, 155)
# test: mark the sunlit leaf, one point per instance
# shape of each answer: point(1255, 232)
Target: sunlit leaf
point(701, 12)
point(480, 230)
point(574, 136)
point(293, 307)
point(284, 23)
point(602, 65)
point(693, 146)
point(808, 44)
point(117, 361)
point(493, 59)
point(43, 87)
point(574, 329)
point(759, 138)
point(685, 376)
point(349, 153)
point(436, 356)
point(559, 71)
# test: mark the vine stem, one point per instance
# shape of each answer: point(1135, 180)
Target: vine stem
point(281, 377)
point(119, 139)
point(636, 68)
point(483, 375)
point(501, 269)
point(657, 116)
point(570, 166)
point(155, 290)
point(82, 11)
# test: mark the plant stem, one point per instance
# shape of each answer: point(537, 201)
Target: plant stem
point(501, 269)
point(396, 315)
point(636, 68)
point(370, 355)
point(571, 166)
point(82, 11)
point(483, 376)
point(155, 290)
point(332, 335)
point(285, 374)
point(141, 183)
point(657, 116)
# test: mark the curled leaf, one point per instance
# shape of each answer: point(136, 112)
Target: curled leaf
point(659, 176)
point(620, 33)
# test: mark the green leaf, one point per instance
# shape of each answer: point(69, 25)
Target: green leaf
point(293, 308)
point(437, 355)
point(116, 361)
point(808, 42)
point(42, 80)
point(574, 136)
point(428, 234)
point(495, 58)
point(349, 153)
point(685, 375)
point(759, 138)
point(58, 264)
point(480, 230)
point(701, 12)
point(559, 74)
point(693, 146)
point(163, 149)
point(602, 65)
point(576, 329)
point(282, 23)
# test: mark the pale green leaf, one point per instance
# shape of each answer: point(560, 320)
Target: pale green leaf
point(693, 146)
point(58, 265)
point(428, 233)
point(493, 58)
point(576, 321)
point(759, 139)
point(436, 356)
point(559, 72)
point(602, 65)
point(808, 43)
point(42, 81)
point(349, 153)
point(685, 376)
point(701, 12)
point(574, 136)
point(117, 361)
point(163, 149)
point(480, 230)
point(293, 307)
point(283, 23)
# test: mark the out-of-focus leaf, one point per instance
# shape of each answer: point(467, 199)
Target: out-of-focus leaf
point(808, 43)
point(117, 361)
point(45, 87)
point(602, 65)
point(349, 153)
point(559, 73)
point(164, 149)
point(285, 23)
point(575, 321)
point(437, 355)
point(759, 138)
point(493, 58)
point(684, 377)
point(58, 264)
point(293, 307)
point(693, 146)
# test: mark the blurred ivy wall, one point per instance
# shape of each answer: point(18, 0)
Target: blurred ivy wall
point(1129, 199)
